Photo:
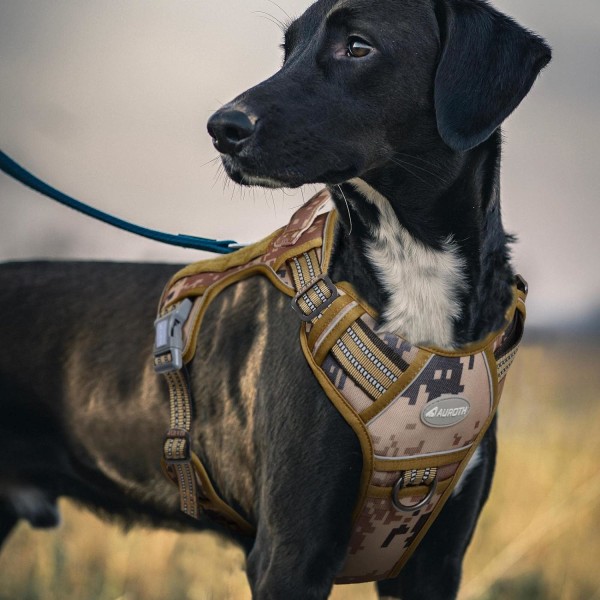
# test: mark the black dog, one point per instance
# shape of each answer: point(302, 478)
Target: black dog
point(396, 107)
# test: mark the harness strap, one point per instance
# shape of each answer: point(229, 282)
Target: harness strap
point(177, 443)
point(180, 464)
point(363, 372)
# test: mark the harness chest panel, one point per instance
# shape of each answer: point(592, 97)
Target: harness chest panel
point(419, 413)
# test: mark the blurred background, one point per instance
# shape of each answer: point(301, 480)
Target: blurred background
point(108, 101)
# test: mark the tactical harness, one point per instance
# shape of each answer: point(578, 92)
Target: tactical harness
point(419, 413)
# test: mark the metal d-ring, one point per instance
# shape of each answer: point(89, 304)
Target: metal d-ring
point(403, 507)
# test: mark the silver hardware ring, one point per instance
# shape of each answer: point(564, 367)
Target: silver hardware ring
point(403, 507)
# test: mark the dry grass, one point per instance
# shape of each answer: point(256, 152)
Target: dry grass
point(538, 538)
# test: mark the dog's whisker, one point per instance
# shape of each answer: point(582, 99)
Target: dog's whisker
point(432, 173)
point(402, 165)
point(268, 14)
point(208, 162)
point(347, 208)
point(272, 198)
point(269, 17)
point(419, 158)
point(280, 8)
point(219, 172)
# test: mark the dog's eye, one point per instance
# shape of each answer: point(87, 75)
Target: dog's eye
point(357, 47)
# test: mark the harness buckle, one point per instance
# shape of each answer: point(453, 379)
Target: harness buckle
point(176, 435)
point(168, 341)
point(325, 302)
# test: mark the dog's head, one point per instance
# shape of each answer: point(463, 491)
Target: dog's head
point(363, 80)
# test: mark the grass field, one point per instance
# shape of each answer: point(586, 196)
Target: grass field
point(538, 539)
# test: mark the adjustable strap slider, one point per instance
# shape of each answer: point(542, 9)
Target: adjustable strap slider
point(314, 298)
point(177, 446)
point(168, 342)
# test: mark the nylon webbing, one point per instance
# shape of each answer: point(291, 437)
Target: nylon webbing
point(181, 465)
point(505, 361)
point(360, 353)
point(177, 444)
point(417, 477)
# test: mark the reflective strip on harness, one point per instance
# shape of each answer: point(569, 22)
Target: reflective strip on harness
point(419, 413)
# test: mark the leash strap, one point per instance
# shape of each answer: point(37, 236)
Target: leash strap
point(16, 171)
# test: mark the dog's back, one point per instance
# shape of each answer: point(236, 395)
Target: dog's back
point(71, 377)
point(87, 413)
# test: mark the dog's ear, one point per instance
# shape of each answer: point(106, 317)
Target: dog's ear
point(488, 64)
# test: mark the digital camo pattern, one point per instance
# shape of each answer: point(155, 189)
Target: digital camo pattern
point(382, 534)
point(302, 220)
point(380, 537)
point(399, 432)
point(407, 351)
point(305, 226)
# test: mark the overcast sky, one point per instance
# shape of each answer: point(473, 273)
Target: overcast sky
point(108, 99)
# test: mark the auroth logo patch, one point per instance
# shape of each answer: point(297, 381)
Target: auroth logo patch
point(445, 412)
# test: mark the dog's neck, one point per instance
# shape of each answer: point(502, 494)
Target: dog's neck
point(430, 255)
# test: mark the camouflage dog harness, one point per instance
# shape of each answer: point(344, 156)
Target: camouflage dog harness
point(419, 413)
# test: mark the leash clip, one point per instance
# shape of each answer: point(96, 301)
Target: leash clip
point(168, 341)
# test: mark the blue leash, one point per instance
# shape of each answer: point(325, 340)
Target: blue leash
point(11, 168)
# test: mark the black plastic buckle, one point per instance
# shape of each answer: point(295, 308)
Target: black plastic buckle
point(178, 434)
point(321, 307)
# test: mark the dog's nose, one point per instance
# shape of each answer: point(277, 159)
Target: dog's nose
point(229, 130)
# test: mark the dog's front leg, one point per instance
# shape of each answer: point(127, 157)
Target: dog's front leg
point(7, 522)
point(305, 569)
point(307, 491)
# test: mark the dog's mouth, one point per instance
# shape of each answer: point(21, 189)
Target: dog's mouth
point(244, 174)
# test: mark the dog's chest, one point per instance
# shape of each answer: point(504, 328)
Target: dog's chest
point(422, 284)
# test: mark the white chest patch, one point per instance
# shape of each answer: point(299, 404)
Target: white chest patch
point(423, 284)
